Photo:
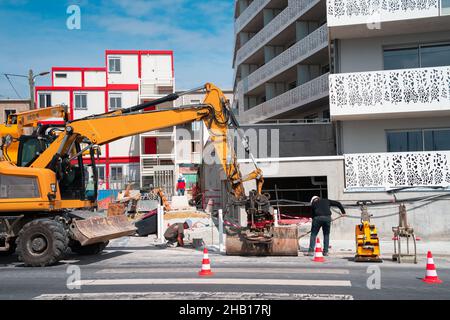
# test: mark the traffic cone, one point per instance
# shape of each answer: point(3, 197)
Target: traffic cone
point(431, 275)
point(206, 266)
point(318, 256)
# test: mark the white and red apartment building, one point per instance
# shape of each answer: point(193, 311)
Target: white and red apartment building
point(129, 77)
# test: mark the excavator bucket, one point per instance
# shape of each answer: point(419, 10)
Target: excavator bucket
point(100, 229)
point(283, 243)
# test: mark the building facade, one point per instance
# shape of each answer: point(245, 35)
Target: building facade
point(379, 71)
point(8, 107)
point(128, 78)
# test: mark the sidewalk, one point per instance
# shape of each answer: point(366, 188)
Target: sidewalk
point(345, 247)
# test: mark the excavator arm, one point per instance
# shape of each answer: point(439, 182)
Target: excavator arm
point(105, 128)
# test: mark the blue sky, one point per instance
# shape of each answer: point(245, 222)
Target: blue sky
point(33, 34)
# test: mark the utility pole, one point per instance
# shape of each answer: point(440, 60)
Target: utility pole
point(31, 84)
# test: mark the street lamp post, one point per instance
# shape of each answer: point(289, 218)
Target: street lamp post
point(31, 82)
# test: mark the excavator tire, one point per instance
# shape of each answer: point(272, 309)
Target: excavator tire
point(90, 249)
point(42, 242)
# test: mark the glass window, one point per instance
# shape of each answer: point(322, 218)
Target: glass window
point(61, 75)
point(45, 100)
point(115, 101)
point(401, 58)
point(9, 112)
point(435, 56)
point(116, 173)
point(437, 140)
point(80, 101)
point(403, 141)
point(114, 64)
point(445, 7)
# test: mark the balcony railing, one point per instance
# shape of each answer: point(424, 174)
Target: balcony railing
point(390, 91)
point(249, 13)
point(155, 87)
point(288, 16)
point(312, 43)
point(349, 12)
point(301, 95)
point(396, 170)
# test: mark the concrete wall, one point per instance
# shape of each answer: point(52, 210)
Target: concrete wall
point(356, 134)
point(430, 218)
point(356, 55)
point(296, 140)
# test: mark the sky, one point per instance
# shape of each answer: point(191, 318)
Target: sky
point(34, 34)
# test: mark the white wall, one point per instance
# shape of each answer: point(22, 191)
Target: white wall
point(95, 79)
point(73, 79)
point(129, 70)
point(156, 67)
point(367, 136)
point(357, 55)
point(59, 97)
point(95, 104)
point(126, 147)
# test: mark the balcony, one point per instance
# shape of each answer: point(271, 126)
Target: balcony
point(288, 16)
point(391, 93)
point(314, 42)
point(396, 170)
point(248, 14)
point(300, 96)
point(151, 88)
point(365, 18)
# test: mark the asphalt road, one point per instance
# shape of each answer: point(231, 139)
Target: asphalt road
point(147, 272)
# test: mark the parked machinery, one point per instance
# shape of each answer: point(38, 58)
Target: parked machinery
point(48, 192)
point(366, 236)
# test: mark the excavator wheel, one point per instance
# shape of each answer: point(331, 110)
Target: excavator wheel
point(90, 249)
point(42, 242)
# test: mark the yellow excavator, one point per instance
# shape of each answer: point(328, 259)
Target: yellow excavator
point(48, 190)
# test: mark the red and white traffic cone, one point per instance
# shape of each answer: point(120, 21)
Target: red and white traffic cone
point(318, 256)
point(431, 275)
point(206, 265)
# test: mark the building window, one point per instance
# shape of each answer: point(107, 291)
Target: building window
point(115, 101)
point(437, 139)
point(404, 141)
point(61, 75)
point(421, 56)
point(196, 126)
point(45, 100)
point(418, 140)
point(116, 173)
point(445, 7)
point(8, 112)
point(114, 64)
point(80, 101)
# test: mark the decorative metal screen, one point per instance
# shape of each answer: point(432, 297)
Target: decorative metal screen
point(401, 169)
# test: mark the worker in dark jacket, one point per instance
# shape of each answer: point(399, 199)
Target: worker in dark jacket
point(321, 218)
point(175, 233)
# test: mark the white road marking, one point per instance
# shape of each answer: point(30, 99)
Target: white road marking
point(192, 295)
point(219, 281)
point(226, 270)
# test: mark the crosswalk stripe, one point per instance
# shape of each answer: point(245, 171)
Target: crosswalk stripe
point(191, 295)
point(217, 281)
point(226, 270)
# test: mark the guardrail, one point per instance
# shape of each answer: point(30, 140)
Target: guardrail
point(316, 40)
point(301, 95)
